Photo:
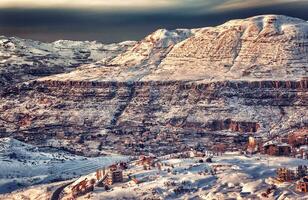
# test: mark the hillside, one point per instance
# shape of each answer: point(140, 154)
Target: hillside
point(228, 176)
point(23, 165)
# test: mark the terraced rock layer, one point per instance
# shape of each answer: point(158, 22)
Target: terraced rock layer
point(43, 109)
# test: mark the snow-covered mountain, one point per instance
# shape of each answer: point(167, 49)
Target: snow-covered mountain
point(22, 60)
point(262, 47)
point(244, 76)
point(138, 61)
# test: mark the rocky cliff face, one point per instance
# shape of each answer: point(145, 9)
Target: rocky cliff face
point(244, 77)
point(45, 109)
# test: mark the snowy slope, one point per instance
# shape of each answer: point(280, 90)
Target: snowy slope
point(133, 64)
point(22, 60)
point(261, 47)
point(23, 165)
point(236, 177)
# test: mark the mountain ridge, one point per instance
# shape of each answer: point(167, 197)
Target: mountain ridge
point(262, 47)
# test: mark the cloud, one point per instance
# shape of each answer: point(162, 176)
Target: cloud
point(98, 4)
point(242, 4)
point(193, 6)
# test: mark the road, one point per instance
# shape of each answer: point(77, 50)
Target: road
point(56, 194)
point(291, 189)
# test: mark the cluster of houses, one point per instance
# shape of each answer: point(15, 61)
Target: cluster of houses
point(300, 176)
point(111, 175)
point(160, 144)
point(295, 145)
point(166, 142)
point(103, 178)
point(184, 145)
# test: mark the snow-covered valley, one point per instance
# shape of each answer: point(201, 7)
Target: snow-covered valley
point(23, 165)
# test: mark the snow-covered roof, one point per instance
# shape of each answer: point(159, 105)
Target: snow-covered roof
point(303, 147)
point(283, 145)
point(270, 143)
point(275, 143)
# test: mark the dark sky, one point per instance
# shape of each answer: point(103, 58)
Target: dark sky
point(114, 25)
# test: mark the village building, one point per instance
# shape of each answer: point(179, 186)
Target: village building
point(302, 152)
point(196, 153)
point(275, 148)
point(285, 175)
point(114, 176)
point(302, 185)
point(83, 187)
point(301, 171)
point(146, 161)
point(252, 146)
point(298, 138)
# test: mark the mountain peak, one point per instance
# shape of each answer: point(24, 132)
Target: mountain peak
point(165, 38)
point(281, 19)
point(267, 47)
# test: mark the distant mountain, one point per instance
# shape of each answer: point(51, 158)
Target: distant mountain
point(23, 60)
point(138, 61)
